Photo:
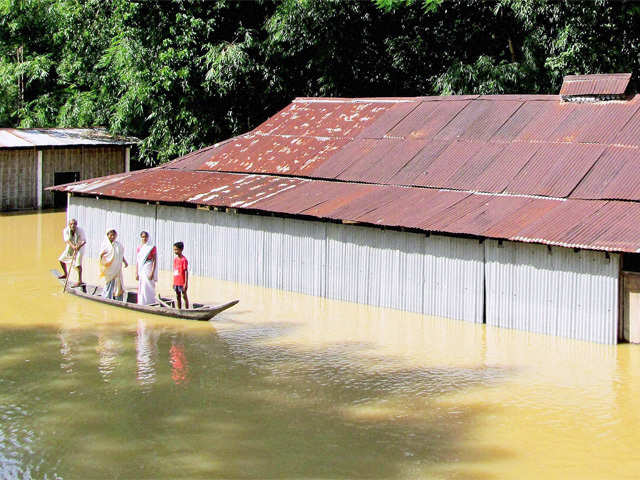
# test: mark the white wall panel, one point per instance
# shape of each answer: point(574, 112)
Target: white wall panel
point(95, 217)
point(454, 278)
point(558, 292)
point(553, 291)
point(134, 218)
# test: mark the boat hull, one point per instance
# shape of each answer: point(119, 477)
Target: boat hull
point(204, 313)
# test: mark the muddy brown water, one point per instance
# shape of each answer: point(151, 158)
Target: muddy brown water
point(291, 386)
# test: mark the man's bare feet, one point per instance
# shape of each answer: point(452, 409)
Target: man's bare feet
point(75, 285)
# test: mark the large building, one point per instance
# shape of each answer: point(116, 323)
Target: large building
point(518, 211)
point(33, 159)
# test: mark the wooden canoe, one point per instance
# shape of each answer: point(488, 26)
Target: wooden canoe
point(165, 306)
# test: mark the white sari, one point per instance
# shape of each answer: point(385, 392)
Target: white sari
point(111, 256)
point(146, 263)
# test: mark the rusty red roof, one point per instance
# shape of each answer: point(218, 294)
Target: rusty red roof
point(522, 167)
point(598, 84)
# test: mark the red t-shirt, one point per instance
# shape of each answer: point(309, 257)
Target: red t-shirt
point(180, 266)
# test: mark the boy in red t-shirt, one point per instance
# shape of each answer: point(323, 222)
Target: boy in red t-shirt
point(180, 275)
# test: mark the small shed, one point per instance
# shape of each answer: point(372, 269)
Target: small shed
point(34, 159)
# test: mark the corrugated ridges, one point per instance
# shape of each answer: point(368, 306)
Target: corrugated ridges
point(597, 84)
point(602, 225)
point(530, 168)
point(59, 137)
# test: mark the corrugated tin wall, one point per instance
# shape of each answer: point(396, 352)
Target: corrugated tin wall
point(95, 217)
point(555, 291)
point(558, 292)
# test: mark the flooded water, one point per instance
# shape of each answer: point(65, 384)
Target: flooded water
point(290, 386)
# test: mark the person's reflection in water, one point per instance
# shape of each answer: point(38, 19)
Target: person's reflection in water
point(109, 348)
point(146, 353)
point(178, 360)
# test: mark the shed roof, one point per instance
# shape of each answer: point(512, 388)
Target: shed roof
point(60, 137)
point(597, 84)
point(521, 167)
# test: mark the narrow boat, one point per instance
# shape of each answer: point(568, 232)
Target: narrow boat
point(164, 306)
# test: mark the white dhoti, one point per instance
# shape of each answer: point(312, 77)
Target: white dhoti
point(67, 254)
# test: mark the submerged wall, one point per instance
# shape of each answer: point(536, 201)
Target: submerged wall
point(528, 287)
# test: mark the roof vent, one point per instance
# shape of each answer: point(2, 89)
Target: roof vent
point(594, 88)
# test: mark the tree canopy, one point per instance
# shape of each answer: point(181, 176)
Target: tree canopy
point(184, 74)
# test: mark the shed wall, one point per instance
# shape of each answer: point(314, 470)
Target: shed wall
point(323, 259)
point(555, 291)
point(528, 287)
point(89, 161)
point(17, 179)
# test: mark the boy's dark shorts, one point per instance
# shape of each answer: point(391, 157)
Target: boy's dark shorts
point(178, 288)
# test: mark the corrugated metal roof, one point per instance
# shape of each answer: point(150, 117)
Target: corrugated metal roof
point(59, 137)
point(527, 168)
point(598, 84)
point(602, 225)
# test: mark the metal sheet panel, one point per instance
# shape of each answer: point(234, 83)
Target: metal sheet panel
point(555, 292)
point(607, 121)
point(630, 132)
point(8, 140)
point(328, 118)
point(548, 117)
point(598, 84)
point(437, 275)
point(427, 119)
point(553, 227)
point(493, 167)
point(454, 278)
point(555, 169)
point(615, 226)
point(378, 153)
point(389, 119)
point(134, 218)
point(479, 120)
point(527, 113)
point(487, 214)
point(291, 155)
point(447, 164)
point(419, 165)
point(343, 158)
point(614, 175)
point(60, 137)
point(412, 208)
point(512, 223)
point(95, 217)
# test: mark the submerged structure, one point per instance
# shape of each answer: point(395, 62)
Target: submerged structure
point(518, 211)
point(33, 159)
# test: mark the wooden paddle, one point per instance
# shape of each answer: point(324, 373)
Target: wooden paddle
point(73, 259)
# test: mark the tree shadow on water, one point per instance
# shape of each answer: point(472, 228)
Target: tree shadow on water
point(233, 405)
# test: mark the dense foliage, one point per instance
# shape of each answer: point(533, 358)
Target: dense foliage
point(183, 74)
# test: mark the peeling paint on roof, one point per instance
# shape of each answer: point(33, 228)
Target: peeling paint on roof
point(519, 167)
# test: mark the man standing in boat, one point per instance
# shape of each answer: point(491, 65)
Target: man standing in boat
point(75, 240)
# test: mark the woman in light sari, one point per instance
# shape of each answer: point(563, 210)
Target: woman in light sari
point(111, 260)
point(146, 270)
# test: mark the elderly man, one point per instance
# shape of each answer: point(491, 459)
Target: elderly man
point(72, 255)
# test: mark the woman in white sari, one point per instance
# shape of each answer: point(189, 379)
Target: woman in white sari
point(146, 270)
point(111, 260)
